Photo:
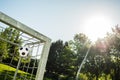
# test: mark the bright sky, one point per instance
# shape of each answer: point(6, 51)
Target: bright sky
point(62, 19)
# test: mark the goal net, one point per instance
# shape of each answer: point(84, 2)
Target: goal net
point(23, 51)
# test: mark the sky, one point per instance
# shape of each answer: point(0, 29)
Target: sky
point(62, 19)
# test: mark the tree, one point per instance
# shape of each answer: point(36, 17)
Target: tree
point(104, 57)
point(79, 46)
point(114, 52)
point(8, 37)
point(60, 61)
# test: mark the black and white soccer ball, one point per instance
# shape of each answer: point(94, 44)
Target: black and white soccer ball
point(24, 52)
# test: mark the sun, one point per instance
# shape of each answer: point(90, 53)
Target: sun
point(96, 26)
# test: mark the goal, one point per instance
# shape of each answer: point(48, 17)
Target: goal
point(13, 36)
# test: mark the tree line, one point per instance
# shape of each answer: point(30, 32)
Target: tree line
point(102, 62)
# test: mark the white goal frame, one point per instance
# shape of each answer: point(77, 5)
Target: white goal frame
point(29, 31)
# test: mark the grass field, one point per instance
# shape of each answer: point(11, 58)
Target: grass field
point(8, 73)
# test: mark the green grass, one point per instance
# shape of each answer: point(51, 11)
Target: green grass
point(8, 72)
point(4, 67)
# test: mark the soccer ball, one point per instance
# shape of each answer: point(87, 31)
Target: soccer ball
point(24, 51)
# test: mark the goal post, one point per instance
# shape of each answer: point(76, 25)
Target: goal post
point(34, 34)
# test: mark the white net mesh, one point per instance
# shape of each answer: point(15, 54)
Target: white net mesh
point(12, 65)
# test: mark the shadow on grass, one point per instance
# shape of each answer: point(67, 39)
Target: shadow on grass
point(8, 75)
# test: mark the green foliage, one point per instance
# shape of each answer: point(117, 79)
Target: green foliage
point(103, 61)
point(47, 79)
point(104, 58)
point(58, 63)
point(65, 58)
point(79, 46)
point(8, 50)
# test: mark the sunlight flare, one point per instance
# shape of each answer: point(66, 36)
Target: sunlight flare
point(97, 26)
